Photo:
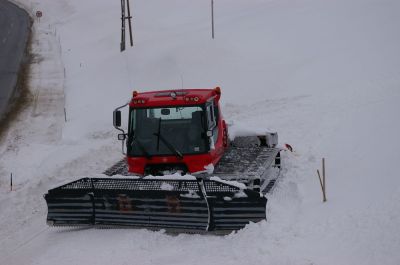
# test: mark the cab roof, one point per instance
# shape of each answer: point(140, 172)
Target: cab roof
point(174, 97)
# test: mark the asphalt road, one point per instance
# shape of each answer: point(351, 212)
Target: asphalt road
point(14, 28)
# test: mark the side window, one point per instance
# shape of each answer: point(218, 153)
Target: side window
point(216, 113)
point(212, 119)
point(211, 116)
point(133, 120)
point(215, 130)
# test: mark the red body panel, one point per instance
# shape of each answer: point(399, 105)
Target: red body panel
point(194, 163)
point(153, 98)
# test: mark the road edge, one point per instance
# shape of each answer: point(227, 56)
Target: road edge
point(21, 96)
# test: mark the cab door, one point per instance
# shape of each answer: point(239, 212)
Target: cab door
point(213, 130)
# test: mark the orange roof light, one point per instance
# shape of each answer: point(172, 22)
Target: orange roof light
point(218, 90)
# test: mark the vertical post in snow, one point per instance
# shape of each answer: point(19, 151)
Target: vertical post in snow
point(125, 6)
point(212, 18)
point(65, 114)
point(11, 180)
point(122, 46)
point(323, 178)
point(130, 23)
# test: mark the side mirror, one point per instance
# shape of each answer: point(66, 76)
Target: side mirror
point(117, 118)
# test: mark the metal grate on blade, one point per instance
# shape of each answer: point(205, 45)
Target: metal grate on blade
point(145, 185)
point(80, 184)
point(213, 186)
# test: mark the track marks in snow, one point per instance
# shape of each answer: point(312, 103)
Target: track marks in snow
point(47, 85)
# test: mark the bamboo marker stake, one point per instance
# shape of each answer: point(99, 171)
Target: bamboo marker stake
point(212, 19)
point(322, 180)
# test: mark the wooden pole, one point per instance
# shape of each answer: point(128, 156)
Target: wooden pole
point(130, 22)
point(323, 178)
point(122, 46)
point(212, 18)
point(11, 180)
point(320, 180)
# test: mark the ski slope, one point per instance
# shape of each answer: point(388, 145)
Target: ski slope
point(324, 74)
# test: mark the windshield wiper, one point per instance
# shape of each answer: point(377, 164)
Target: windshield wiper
point(141, 147)
point(166, 142)
point(169, 145)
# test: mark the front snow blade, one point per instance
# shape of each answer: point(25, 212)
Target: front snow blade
point(233, 208)
point(174, 204)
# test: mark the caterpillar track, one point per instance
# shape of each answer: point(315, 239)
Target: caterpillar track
point(256, 166)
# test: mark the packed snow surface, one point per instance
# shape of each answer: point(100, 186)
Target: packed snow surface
point(324, 74)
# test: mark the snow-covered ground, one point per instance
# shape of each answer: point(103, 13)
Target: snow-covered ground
point(324, 74)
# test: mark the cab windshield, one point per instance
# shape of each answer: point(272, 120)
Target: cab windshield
point(167, 131)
